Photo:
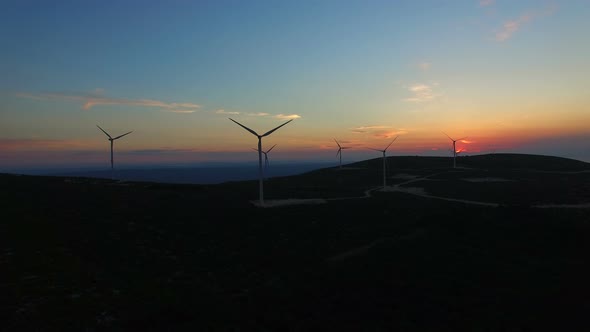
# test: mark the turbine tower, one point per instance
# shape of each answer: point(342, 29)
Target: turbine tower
point(261, 190)
point(112, 140)
point(339, 152)
point(454, 148)
point(384, 160)
point(266, 163)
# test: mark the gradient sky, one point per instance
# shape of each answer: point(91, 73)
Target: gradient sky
point(511, 76)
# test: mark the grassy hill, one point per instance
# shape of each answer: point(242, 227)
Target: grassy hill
point(92, 254)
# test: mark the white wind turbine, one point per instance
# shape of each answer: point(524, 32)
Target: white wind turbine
point(261, 190)
point(454, 148)
point(266, 163)
point(112, 140)
point(384, 160)
point(339, 152)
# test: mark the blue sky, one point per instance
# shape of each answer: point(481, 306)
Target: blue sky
point(508, 74)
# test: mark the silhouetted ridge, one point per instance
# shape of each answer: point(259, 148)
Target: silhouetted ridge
point(439, 248)
point(523, 161)
point(485, 161)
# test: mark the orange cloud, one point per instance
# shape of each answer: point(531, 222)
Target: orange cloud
point(388, 133)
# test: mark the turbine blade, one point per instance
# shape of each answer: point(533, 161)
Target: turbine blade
point(271, 148)
point(248, 129)
point(104, 132)
point(255, 149)
point(337, 143)
point(122, 135)
point(346, 147)
point(391, 143)
point(338, 152)
point(375, 149)
point(448, 136)
point(271, 131)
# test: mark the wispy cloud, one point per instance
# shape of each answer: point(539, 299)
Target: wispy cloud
point(261, 114)
point(421, 93)
point(365, 129)
point(97, 99)
point(511, 26)
point(181, 111)
point(425, 65)
point(389, 133)
point(220, 111)
point(257, 114)
point(485, 3)
point(379, 131)
point(287, 116)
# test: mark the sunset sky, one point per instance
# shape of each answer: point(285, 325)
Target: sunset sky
point(511, 76)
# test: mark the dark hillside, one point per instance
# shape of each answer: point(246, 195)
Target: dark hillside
point(91, 254)
point(523, 161)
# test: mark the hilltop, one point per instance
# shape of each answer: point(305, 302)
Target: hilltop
point(498, 243)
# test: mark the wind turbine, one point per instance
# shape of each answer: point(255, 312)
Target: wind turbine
point(112, 140)
point(261, 190)
point(265, 157)
point(384, 162)
point(454, 148)
point(340, 148)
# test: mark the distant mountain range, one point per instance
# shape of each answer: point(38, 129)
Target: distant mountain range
point(196, 175)
point(215, 173)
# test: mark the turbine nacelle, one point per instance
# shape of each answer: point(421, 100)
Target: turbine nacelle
point(340, 147)
point(109, 136)
point(455, 152)
point(339, 152)
point(111, 139)
point(260, 152)
point(387, 147)
point(255, 133)
point(384, 160)
point(454, 140)
point(265, 153)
